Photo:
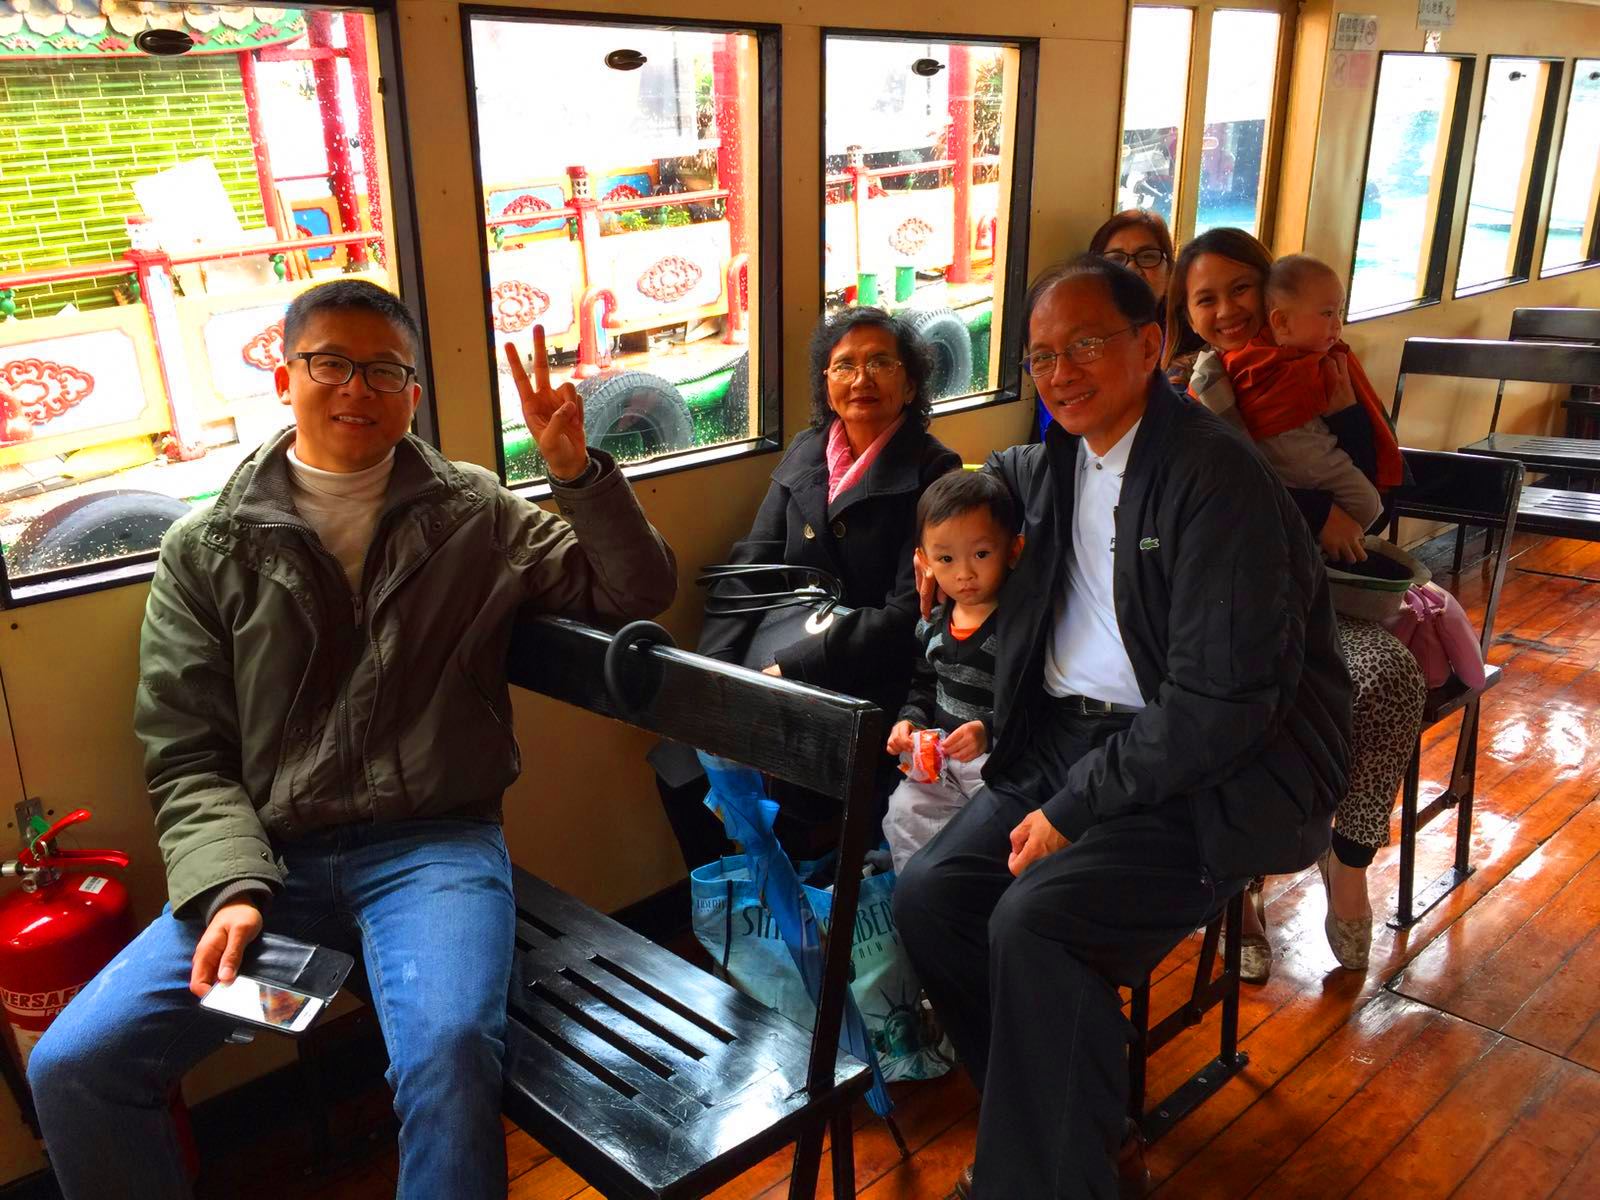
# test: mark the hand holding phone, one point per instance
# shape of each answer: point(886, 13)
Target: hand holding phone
point(222, 945)
point(257, 1002)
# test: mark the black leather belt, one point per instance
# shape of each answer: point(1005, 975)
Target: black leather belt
point(1085, 706)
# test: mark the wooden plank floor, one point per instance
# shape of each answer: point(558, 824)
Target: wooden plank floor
point(1466, 1063)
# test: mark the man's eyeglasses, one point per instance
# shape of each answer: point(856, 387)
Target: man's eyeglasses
point(846, 371)
point(1149, 258)
point(1084, 350)
point(335, 370)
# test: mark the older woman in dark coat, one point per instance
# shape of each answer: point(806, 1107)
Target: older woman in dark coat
point(844, 500)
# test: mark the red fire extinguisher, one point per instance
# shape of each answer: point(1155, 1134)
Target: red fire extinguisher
point(66, 922)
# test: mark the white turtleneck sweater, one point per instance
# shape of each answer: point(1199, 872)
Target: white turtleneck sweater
point(342, 507)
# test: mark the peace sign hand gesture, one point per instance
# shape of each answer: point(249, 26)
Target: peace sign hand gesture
point(554, 415)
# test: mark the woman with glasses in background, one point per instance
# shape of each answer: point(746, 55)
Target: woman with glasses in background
point(1137, 239)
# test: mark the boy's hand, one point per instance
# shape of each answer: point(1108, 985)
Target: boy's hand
point(221, 946)
point(554, 415)
point(1336, 378)
point(928, 593)
point(900, 737)
point(1342, 537)
point(966, 742)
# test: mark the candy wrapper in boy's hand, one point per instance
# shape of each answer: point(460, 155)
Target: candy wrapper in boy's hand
point(924, 762)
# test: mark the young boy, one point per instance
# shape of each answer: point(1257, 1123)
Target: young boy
point(323, 706)
point(1287, 380)
point(967, 538)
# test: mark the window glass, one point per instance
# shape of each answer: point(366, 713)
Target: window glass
point(160, 213)
point(1244, 59)
point(1506, 132)
point(1153, 108)
point(1572, 209)
point(1400, 199)
point(918, 144)
point(627, 227)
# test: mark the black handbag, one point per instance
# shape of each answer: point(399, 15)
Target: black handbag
point(795, 603)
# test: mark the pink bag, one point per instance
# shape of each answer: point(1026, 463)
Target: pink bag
point(1434, 628)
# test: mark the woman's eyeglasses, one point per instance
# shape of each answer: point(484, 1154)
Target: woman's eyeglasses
point(335, 370)
point(1148, 258)
point(846, 371)
point(1084, 350)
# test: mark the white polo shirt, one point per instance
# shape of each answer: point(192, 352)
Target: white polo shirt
point(1085, 655)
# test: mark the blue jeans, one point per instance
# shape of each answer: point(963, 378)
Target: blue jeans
point(427, 904)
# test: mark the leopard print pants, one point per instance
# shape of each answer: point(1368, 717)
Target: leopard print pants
point(1387, 698)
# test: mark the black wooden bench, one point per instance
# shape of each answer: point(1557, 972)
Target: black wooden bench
point(1558, 512)
point(647, 1076)
point(1581, 325)
point(651, 1078)
point(1466, 490)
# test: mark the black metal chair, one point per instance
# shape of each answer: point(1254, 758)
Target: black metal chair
point(1467, 490)
point(1554, 511)
point(1580, 325)
point(647, 1076)
point(1205, 994)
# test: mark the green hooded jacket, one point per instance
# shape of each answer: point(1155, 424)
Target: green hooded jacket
point(273, 702)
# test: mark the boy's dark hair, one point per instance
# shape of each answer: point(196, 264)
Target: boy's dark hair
point(915, 360)
point(343, 295)
point(961, 492)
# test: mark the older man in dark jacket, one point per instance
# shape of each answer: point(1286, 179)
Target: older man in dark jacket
point(1172, 717)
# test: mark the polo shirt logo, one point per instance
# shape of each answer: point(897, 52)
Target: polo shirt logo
point(1149, 543)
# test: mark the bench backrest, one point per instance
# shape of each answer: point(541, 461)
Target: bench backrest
point(1467, 358)
point(823, 741)
point(1465, 489)
point(1555, 325)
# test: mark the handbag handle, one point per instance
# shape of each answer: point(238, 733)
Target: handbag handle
point(821, 589)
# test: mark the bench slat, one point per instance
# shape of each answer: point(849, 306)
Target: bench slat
point(1560, 513)
point(777, 726)
point(650, 1080)
point(1537, 450)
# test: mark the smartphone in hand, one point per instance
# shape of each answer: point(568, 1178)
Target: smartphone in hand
point(257, 1002)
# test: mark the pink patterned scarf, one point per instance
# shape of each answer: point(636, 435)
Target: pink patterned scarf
point(845, 470)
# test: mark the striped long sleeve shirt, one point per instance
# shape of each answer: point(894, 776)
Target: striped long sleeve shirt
point(953, 681)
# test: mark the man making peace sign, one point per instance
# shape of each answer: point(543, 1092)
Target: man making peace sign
point(327, 731)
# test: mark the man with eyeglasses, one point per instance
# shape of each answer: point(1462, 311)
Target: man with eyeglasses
point(327, 733)
point(1171, 718)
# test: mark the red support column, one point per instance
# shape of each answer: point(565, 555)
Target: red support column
point(355, 41)
point(960, 149)
point(258, 143)
point(725, 91)
point(588, 224)
point(341, 176)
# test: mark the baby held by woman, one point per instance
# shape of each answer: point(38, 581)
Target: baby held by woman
point(1297, 372)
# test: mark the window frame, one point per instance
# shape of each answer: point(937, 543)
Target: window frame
point(64, 582)
point(1442, 218)
point(1539, 174)
point(1186, 197)
point(766, 304)
point(1591, 257)
point(1008, 384)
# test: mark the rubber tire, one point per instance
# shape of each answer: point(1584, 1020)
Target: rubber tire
point(951, 344)
point(736, 404)
point(636, 402)
point(93, 528)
